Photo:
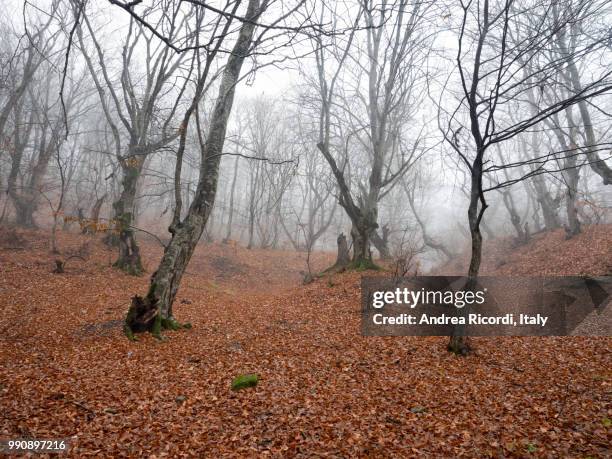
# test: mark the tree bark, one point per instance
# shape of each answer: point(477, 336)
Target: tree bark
point(26, 199)
point(129, 259)
point(382, 243)
point(572, 176)
point(154, 312)
point(548, 204)
point(24, 213)
point(230, 217)
point(361, 233)
point(458, 343)
point(515, 219)
point(344, 256)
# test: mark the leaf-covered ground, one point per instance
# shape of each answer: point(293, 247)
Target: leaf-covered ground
point(67, 371)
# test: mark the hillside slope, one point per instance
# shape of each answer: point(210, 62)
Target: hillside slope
point(548, 253)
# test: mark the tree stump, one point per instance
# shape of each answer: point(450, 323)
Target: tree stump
point(344, 256)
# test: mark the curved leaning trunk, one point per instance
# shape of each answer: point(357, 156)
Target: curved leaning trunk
point(515, 219)
point(381, 244)
point(154, 311)
point(547, 204)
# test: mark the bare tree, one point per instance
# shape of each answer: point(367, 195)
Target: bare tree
point(133, 106)
point(154, 311)
point(394, 43)
point(316, 206)
point(28, 129)
point(492, 40)
point(38, 133)
point(428, 240)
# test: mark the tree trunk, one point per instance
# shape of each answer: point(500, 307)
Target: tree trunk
point(95, 210)
point(344, 257)
point(165, 281)
point(251, 228)
point(129, 253)
point(94, 216)
point(154, 312)
point(25, 199)
point(515, 219)
point(210, 227)
point(573, 223)
point(382, 243)
point(24, 213)
point(547, 203)
point(458, 343)
point(362, 254)
point(230, 218)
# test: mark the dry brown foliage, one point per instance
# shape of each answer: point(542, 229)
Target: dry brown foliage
point(66, 369)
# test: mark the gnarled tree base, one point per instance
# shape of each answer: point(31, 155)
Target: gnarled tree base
point(130, 265)
point(363, 264)
point(144, 316)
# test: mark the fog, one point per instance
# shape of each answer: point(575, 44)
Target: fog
point(400, 106)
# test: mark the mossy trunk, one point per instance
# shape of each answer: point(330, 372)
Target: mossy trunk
point(147, 313)
point(361, 245)
point(129, 259)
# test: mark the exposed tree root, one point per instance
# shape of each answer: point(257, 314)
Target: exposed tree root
point(144, 316)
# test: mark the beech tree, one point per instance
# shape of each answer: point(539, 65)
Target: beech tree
point(137, 107)
point(306, 220)
point(379, 56)
point(493, 39)
point(30, 122)
point(154, 311)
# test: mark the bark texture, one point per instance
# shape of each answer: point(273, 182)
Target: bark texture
point(129, 253)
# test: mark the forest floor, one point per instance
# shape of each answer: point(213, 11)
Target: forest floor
point(67, 370)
